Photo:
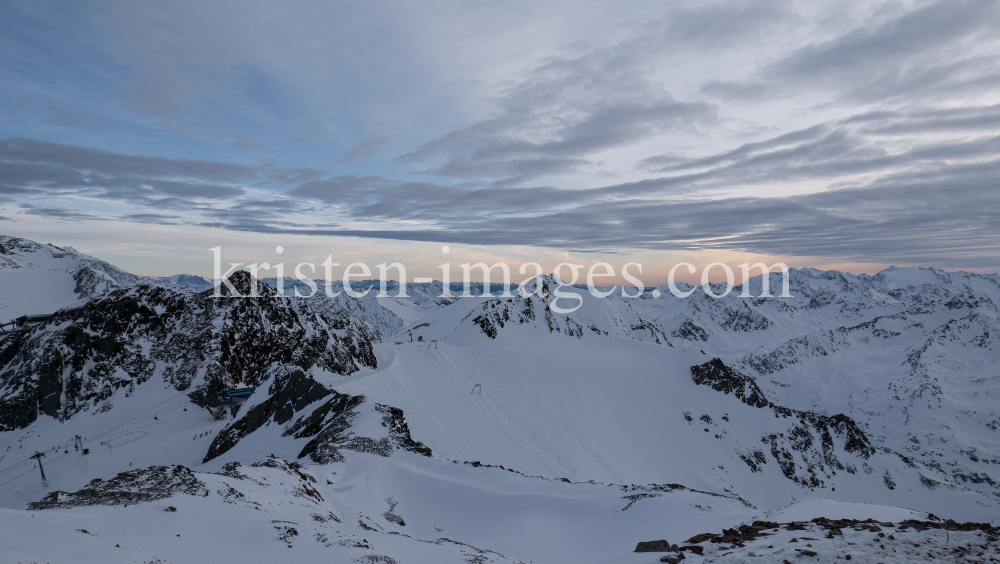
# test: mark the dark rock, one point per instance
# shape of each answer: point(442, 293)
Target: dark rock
point(134, 486)
point(689, 331)
point(81, 356)
point(653, 546)
point(329, 425)
point(290, 389)
point(722, 378)
point(702, 537)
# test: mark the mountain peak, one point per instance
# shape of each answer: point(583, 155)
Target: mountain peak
point(540, 285)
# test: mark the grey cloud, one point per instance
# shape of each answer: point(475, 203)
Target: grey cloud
point(715, 26)
point(289, 176)
point(907, 220)
point(21, 150)
point(931, 203)
point(29, 166)
point(60, 213)
point(58, 119)
point(914, 219)
point(834, 154)
point(569, 108)
point(272, 212)
point(370, 146)
point(667, 163)
point(936, 48)
point(925, 198)
point(383, 198)
point(970, 119)
point(869, 49)
point(564, 111)
point(156, 218)
point(852, 146)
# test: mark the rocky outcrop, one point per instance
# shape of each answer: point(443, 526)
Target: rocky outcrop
point(81, 356)
point(690, 331)
point(330, 429)
point(134, 486)
point(722, 378)
point(291, 392)
point(806, 451)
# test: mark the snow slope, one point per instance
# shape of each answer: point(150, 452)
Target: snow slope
point(505, 431)
point(41, 279)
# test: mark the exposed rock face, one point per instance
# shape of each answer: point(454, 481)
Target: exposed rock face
point(653, 546)
point(793, 351)
point(812, 438)
point(291, 391)
point(81, 356)
point(134, 486)
point(743, 318)
point(330, 426)
point(811, 435)
point(832, 540)
point(690, 331)
point(12, 248)
point(722, 378)
point(95, 278)
point(304, 487)
point(534, 303)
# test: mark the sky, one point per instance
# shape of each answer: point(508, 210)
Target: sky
point(847, 135)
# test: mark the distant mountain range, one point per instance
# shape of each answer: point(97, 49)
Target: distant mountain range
point(642, 414)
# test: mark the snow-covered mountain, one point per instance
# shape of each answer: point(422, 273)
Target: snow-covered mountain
point(40, 279)
point(180, 282)
point(505, 430)
point(590, 390)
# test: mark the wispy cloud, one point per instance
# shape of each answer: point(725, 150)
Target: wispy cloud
point(370, 146)
point(565, 111)
point(935, 49)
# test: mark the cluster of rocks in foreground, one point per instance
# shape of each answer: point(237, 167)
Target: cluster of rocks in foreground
point(829, 540)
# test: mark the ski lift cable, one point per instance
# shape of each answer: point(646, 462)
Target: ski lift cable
point(141, 411)
point(151, 423)
point(18, 476)
point(132, 417)
point(54, 459)
point(138, 415)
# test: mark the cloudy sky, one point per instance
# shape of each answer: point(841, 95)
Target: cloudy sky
point(846, 135)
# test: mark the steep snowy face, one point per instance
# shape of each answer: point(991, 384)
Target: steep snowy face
point(80, 357)
point(38, 278)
